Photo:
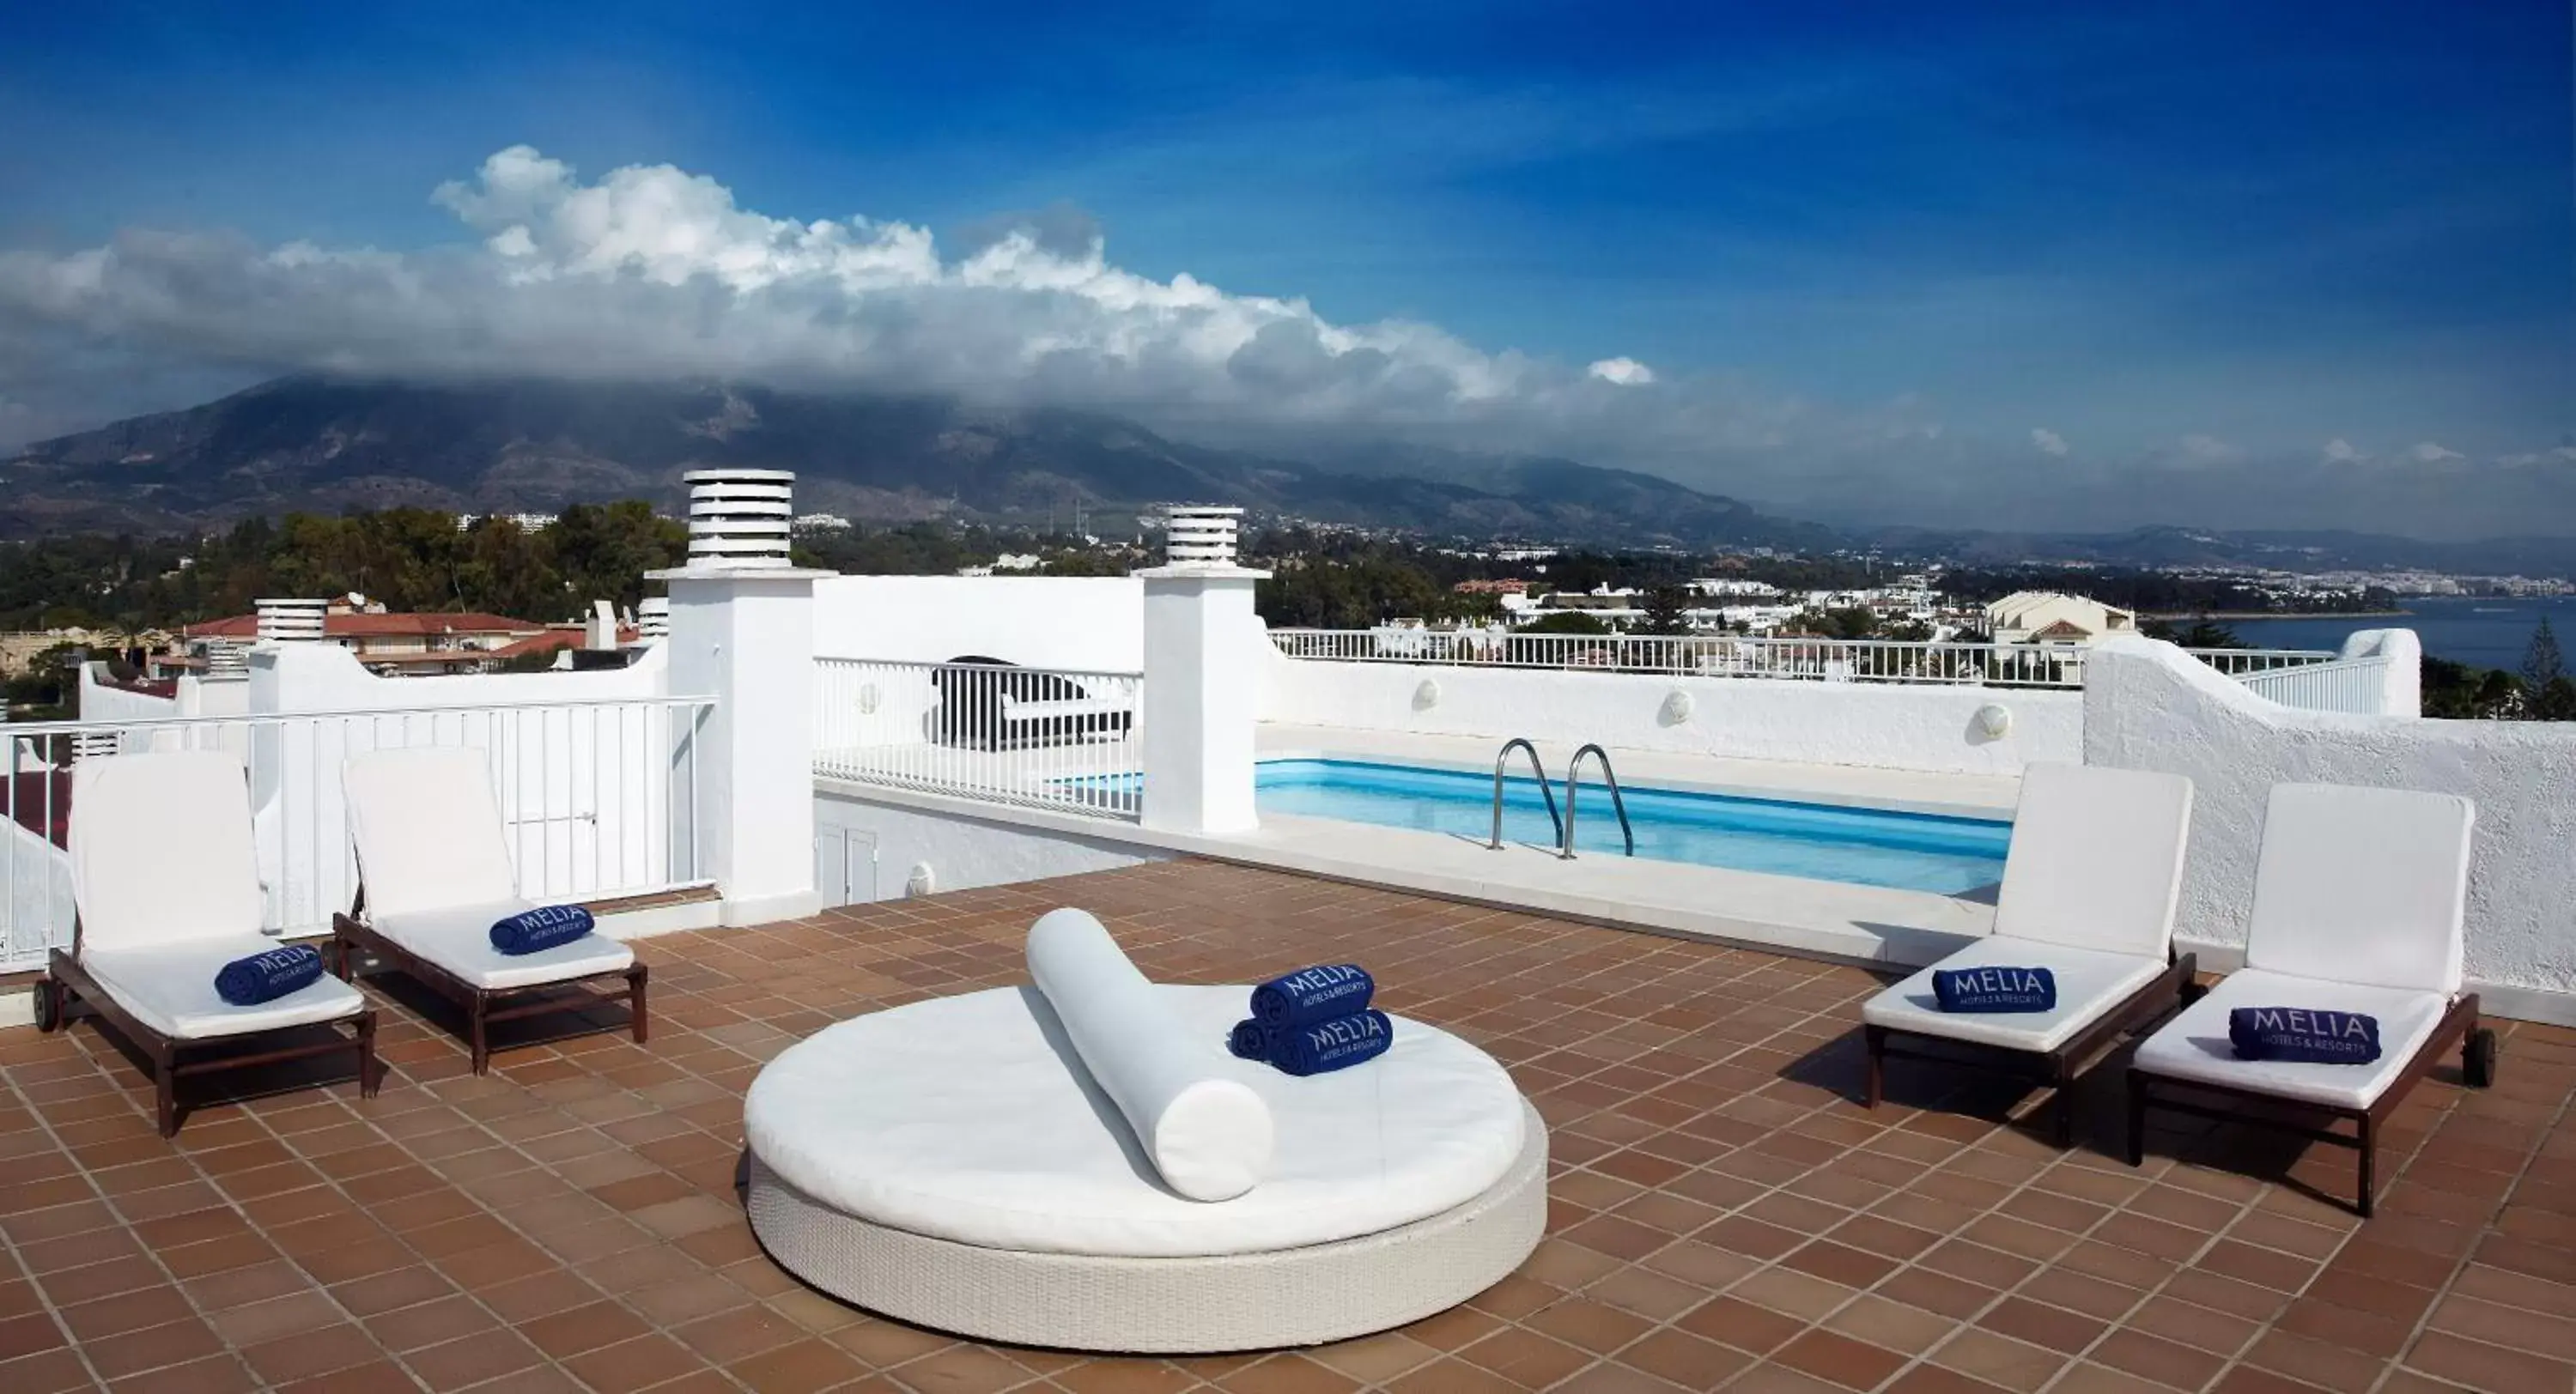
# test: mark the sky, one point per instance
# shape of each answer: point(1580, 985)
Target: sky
point(1951, 264)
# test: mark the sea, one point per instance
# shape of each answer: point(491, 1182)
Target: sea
point(2482, 631)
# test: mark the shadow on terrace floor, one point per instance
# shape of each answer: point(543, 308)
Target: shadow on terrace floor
point(1722, 1215)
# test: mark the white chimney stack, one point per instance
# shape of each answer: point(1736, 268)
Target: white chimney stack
point(739, 519)
point(285, 621)
point(1200, 536)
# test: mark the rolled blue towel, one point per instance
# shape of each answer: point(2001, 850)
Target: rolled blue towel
point(1249, 1040)
point(265, 977)
point(1995, 989)
point(541, 928)
point(1324, 1046)
point(2307, 1035)
point(1309, 995)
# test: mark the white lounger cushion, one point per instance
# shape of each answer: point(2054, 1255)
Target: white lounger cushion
point(971, 1119)
point(162, 853)
point(436, 863)
point(167, 883)
point(2362, 886)
point(2089, 984)
point(171, 989)
point(2096, 859)
point(2194, 1045)
point(428, 829)
point(459, 939)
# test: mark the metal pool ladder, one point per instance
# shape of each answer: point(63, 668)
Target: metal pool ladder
point(1574, 768)
point(1500, 758)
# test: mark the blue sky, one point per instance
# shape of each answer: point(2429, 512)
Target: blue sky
point(2260, 229)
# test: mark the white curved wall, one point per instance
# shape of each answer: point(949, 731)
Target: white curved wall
point(2148, 706)
point(1891, 725)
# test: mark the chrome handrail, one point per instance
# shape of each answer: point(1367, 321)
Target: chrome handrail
point(1574, 768)
point(1500, 757)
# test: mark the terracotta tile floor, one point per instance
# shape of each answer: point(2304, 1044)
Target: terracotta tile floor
point(1722, 1214)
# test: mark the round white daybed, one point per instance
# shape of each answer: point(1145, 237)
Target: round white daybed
point(954, 1164)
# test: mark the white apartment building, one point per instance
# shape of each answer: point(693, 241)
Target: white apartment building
point(2051, 617)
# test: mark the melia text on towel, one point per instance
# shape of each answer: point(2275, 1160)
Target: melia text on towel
point(1314, 994)
point(1994, 989)
point(2303, 1034)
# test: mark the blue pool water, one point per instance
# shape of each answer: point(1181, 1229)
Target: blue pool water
point(1869, 847)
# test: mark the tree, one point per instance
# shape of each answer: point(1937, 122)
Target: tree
point(2204, 634)
point(1667, 611)
point(2542, 664)
point(1565, 622)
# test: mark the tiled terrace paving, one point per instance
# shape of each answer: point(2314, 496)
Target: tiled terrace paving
point(1723, 1215)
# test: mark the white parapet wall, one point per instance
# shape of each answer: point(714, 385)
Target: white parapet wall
point(874, 844)
point(2148, 706)
point(1094, 623)
point(1938, 727)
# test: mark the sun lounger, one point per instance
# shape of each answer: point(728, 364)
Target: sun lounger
point(166, 881)
point(2359, 898)
point(2088, 893)
point(435, 873)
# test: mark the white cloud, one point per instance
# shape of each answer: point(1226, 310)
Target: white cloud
point(2210, 450)
point(652, 271)
point(2425, 452)
point(2341, 452)
point(2047, 442)
point(2563, 455)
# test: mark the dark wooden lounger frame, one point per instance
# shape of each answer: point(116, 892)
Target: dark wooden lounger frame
point(68, 984)
point(2458, 1026)
point(2058, 1068)
point(483, 1006)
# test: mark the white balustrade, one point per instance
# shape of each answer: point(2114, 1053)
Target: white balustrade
point(1042, 737)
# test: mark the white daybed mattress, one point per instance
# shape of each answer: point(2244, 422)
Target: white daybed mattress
point(970, 1119)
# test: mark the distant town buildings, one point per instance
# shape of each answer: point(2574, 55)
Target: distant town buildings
point(396, 643)
point(526, 522)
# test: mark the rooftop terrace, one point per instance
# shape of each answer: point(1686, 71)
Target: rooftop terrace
point(1723, 1215)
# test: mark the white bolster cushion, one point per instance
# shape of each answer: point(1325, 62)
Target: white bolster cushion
point(1210, 1136)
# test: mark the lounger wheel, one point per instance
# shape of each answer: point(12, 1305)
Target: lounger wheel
point(2478, 1059)
point(49, 1004)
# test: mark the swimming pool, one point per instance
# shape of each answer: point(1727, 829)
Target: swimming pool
point(1865, 846)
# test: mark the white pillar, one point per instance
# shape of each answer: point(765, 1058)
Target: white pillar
point(1201, 699)
point(746, 638)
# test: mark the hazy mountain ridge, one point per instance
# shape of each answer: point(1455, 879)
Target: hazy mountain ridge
point(327, 444)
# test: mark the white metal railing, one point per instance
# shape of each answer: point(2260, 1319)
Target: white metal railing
point(1723, 655)
point(1045, 737)
point(600, 798)
point(2355, 685)
point(2243, 664)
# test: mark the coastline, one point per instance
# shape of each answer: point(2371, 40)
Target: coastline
point(2283, 615)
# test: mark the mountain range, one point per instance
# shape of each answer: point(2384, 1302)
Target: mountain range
point(328, 444)
point(313, 443)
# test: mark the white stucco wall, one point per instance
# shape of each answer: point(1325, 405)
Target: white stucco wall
point(871, 847)
point(1890, 725)
point(1089, 622)
point(2147, 706)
